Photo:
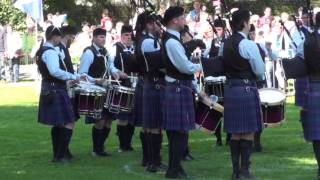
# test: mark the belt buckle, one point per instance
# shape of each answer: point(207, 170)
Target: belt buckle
point(247, 88)
point(155, 79)
point(157, 86)
point(177, 89)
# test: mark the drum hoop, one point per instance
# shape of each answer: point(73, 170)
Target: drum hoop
point(274, 103)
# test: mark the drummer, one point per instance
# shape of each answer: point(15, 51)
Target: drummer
point(93, 63)
point(55, 107)
point(123, 57)
point(243, 66)
point(68, 35)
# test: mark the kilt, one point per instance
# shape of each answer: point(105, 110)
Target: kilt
point(137, 113)
point(310, 116)
point(178, 106)
point(124, 116)
point(301, 86)
point(105, 115)
point(59, 111)
point(152, 104)
point(242, 109)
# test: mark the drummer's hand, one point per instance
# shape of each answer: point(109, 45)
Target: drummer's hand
point(99, 81)
point(83, 77)
point(116, 76)
point(72, 83)
point(122, 75)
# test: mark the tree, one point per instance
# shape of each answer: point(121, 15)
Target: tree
point(11, 15)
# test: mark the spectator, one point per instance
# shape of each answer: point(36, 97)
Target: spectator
point(196, 18)
point(106, 21)
point(82, 40)
point(2, 50)
point(58, 19)
point(31, 25)
point(267, 14)
point(14, 53)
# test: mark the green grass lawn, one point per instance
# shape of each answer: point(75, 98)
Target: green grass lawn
point(25, 149)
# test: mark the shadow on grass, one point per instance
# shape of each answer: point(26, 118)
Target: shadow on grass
point(26, 152)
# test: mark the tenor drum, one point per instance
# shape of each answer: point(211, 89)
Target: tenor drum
point(119, 98)
point(214, 86)
point(273, 102)
point(207, 119)
point(89, 99)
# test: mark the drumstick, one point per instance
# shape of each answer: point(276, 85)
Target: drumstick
point(206, 100)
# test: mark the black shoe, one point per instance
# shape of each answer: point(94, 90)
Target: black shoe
point(178, 175)
point(246, 175)
point(100, 154)
point(68, 155)
point(257, 149)
point(157, 168)
point(60, 160)
point(235, 176)
point(188, 157)
point(218, 143)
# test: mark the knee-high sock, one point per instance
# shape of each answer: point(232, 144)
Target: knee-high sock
point(104, 135)
point(55, 135)
point(144, 145)
point(245, 153)
point(235, 155)
point(316, 149)
point(130, 132)
point(157, 138)
point(121, 136)
point(65, 138)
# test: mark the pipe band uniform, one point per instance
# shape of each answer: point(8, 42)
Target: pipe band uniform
point(94, 64)
point(243, 66)
point(55, 106)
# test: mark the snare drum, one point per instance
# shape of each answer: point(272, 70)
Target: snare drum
point(89, 99)
point(214, 86)
point(207, 119)
point(273, 103)
point(119, 98)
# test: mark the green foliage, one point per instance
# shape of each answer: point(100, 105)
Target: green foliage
point(28, 41)
point(10, 15)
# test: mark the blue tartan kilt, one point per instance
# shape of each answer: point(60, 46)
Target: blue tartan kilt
point(242, 109)
point(105, 115)
point(137, 113)
point(301, 86)
point(59, 111)
point(152, 104)
point(178, 106)
point(310, 116)
point(124, 116)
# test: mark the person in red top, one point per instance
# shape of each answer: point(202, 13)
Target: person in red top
point(264, 19)
point(106, 21)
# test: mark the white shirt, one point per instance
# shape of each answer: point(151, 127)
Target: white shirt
point(87, 59)
point(51, 59)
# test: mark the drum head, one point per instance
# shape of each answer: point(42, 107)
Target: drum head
point(85, 87)
point(211, 79)
point(271, 96)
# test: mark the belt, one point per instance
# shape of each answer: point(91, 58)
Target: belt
point(241, 82)
point(314, 78)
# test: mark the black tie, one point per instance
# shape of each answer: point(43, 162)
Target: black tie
point(101, 51)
